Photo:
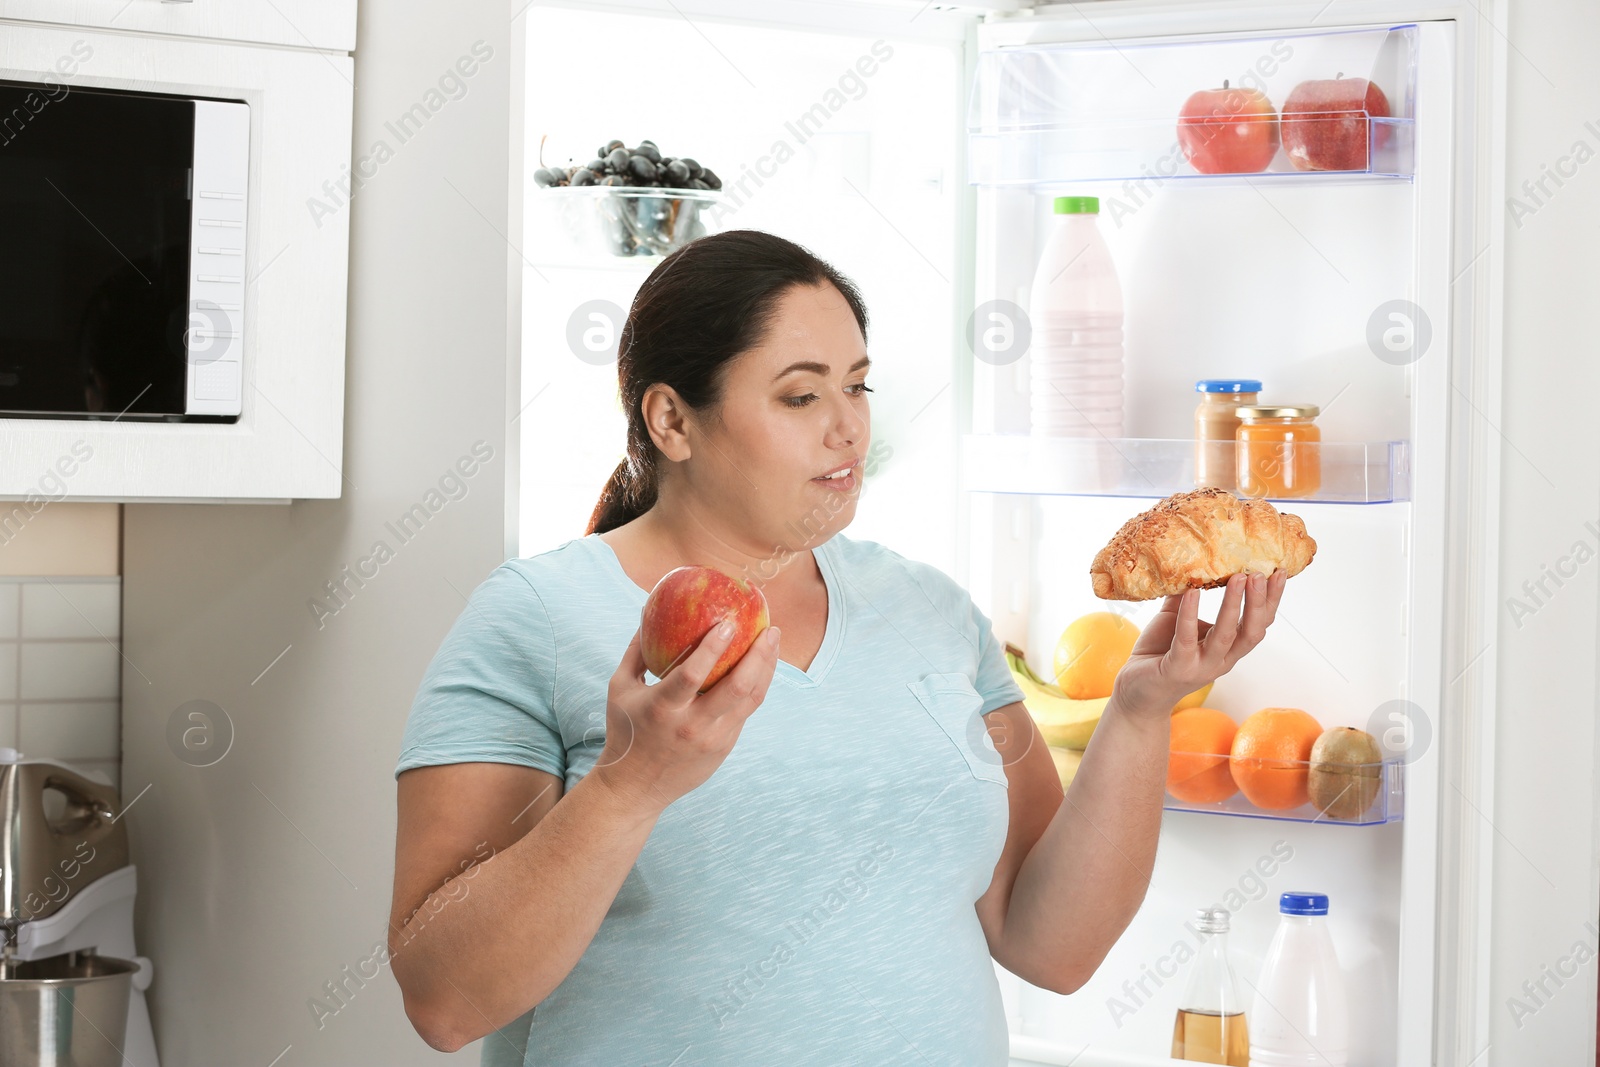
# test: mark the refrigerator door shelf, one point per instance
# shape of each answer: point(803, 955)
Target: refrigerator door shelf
point(1109, 111)
point(1353, 472)
point(1385, 783)
point(1058, 158)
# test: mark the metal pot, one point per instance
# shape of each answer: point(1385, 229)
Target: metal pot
point(64, 1011)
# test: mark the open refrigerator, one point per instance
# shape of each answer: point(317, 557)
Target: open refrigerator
point(1335, 288)
point(1364, 291)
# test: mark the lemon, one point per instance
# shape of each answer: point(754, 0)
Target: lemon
point(1091, 652)
point(1193, 700)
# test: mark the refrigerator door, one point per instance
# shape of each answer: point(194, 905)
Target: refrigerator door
point(1335, 290)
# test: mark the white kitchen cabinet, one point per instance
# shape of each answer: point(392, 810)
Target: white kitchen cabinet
point(323, 24)
point(287, 442)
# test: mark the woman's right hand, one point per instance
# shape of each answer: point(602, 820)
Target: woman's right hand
point(664, 740)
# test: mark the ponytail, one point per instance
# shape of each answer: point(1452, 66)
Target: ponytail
point(629, 493)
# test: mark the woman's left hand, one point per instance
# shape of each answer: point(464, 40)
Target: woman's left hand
point(1178, 652)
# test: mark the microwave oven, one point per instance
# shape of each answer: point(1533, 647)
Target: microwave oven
point(123, 254)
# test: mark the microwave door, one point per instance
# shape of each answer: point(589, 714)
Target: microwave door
point(101, 262)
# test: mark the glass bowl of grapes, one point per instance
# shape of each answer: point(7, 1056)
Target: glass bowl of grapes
point(633, 201)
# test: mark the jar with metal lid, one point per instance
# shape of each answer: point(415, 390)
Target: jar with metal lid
point(1216, 424)
point(1279, 450)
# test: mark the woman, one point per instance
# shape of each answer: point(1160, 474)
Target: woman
point(815, 860)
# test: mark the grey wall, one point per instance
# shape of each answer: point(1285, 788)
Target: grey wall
point(265, 874)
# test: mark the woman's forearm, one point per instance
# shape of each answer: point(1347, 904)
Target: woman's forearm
point(495, 940)
point(1085, 878)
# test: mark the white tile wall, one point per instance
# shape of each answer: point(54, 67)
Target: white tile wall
point(61, 670)
point(70, 669)
point(10, 628)
point(8, 671)
point(10, 597)
point(84, 731)
point(57, 608)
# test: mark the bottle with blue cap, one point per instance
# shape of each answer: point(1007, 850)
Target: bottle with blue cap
point(1299, 1017)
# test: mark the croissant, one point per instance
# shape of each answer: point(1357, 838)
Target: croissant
point(1197, 541)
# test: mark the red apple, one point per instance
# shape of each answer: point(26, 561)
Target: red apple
point(685, 605)
point(1325, 123)
point(1228, 131)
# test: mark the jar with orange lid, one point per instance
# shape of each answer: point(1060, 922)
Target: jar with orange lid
point(1279, 450)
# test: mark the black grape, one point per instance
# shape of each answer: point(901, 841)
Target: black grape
point(617, 165)
point(642, 167)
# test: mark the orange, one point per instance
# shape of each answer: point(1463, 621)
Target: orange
point(1195, 778)
point(1091, 652)
point(1269, 757)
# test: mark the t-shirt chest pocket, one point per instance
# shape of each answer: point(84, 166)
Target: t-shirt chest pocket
point(952, 702)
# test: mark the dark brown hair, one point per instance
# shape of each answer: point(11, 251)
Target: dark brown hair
point(704, 305)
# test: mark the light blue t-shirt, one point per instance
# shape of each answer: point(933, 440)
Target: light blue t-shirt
point(812, 902)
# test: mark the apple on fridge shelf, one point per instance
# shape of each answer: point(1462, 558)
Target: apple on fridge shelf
point(682, 609)
point(1326, 121)
point(1228, 131)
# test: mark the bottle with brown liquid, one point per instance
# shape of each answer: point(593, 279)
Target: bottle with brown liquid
point(1210, 1027)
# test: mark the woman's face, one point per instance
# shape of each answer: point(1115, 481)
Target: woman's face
point(793, 409)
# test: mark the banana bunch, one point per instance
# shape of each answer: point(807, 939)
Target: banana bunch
point(1063, 722)
point(1067, 761)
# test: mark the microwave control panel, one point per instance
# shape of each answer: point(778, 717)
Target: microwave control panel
point(214, 338)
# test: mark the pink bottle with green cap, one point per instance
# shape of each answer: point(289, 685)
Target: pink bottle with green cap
point(1075, 311)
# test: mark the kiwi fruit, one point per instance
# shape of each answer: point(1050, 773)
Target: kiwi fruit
point(1346, 772)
